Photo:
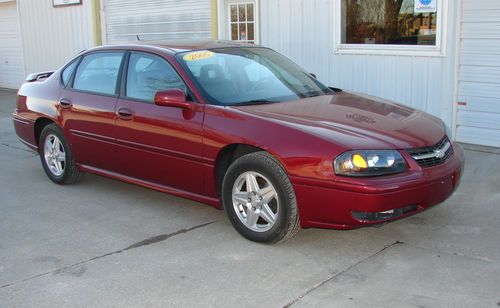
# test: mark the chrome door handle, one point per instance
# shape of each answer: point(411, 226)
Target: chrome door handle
point(65, 103)
point(125, 114)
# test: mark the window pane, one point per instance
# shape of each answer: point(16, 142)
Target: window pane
point(234, 13)
point(68, 71)
point(391, 22)
point(98, 72)
point(148, 74)
point(243, 32)
point(234, 32)
point(250, 11)
point(242, 12)
point(235, 75)
point(251, 33)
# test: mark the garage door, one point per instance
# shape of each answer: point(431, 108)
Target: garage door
point(478, 116)
point(11, 55)
point(156, 19)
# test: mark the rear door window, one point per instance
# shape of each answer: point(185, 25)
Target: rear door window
point(98, 72)
point(68, 71)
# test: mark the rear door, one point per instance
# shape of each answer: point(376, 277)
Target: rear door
point(157, 144)
point(88, 109)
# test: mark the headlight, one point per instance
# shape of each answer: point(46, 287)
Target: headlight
point(369, 163)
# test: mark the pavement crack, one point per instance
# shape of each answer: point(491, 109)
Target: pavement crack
point(319, 284)
point(146, 242)
point(18, 148)
point(149, 241)
point(451, 253)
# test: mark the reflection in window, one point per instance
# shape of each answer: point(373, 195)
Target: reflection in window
point(242, 23)
point(98, 72)
point(236, 75)
point(148, 74)
point(391, 22)
point(68, 71)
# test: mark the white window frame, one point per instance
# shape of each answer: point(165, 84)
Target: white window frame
point(438, 50)
point(229, 23)
point(224, 18)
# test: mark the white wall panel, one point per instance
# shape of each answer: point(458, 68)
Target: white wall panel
point(478, 103)
point(480, 29)
point(11, 54)
point(479, 57)
point(304, 31)
point(477, 135)
point(480, 120)
point(485, 45)
point(478, 117)
point(51, 36)
point(480, 5)
point(156, 19)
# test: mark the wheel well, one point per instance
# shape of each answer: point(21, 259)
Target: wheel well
point(39, 126)
point(226, 157)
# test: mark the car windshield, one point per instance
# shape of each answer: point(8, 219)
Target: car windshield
point(249, 75)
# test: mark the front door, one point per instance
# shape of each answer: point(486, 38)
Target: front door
point(159, 145)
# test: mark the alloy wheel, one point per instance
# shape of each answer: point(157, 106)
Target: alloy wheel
point(54, 154)
point(255, 201)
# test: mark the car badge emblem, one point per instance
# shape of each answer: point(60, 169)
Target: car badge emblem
point(439, 153)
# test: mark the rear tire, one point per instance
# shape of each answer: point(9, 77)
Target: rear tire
point(259, 199)
point(56, 156)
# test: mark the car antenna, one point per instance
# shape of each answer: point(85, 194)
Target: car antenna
point(138, 38)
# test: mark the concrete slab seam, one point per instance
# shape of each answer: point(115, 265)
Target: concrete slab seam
point(316, 286)
point(149, 241)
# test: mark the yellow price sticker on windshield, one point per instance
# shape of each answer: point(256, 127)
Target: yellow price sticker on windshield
point(198, 55)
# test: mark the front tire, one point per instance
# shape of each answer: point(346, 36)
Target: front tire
point(56, 156)
point(259, 199)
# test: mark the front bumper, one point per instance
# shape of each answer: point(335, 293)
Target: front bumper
point(344, 205)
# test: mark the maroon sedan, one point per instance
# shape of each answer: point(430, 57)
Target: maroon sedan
point(240, 127)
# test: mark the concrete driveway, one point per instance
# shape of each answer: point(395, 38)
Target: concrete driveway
point(103, 243)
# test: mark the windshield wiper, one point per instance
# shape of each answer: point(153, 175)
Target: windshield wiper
point(253, 102)
point(319, 93)
point(314, 94)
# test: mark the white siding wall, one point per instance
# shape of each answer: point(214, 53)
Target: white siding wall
point(304, 31)
point(478, 121)
point(51, 36)
point(156, 19)
point(11, 53)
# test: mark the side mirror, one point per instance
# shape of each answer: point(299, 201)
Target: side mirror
point(172, 98)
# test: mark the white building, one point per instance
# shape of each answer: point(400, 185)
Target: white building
point(441, 56)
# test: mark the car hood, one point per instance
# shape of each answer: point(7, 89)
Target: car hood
point(354, 121)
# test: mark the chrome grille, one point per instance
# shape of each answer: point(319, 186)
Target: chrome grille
point(433, 155)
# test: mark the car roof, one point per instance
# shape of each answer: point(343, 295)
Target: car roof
point(179, 45)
